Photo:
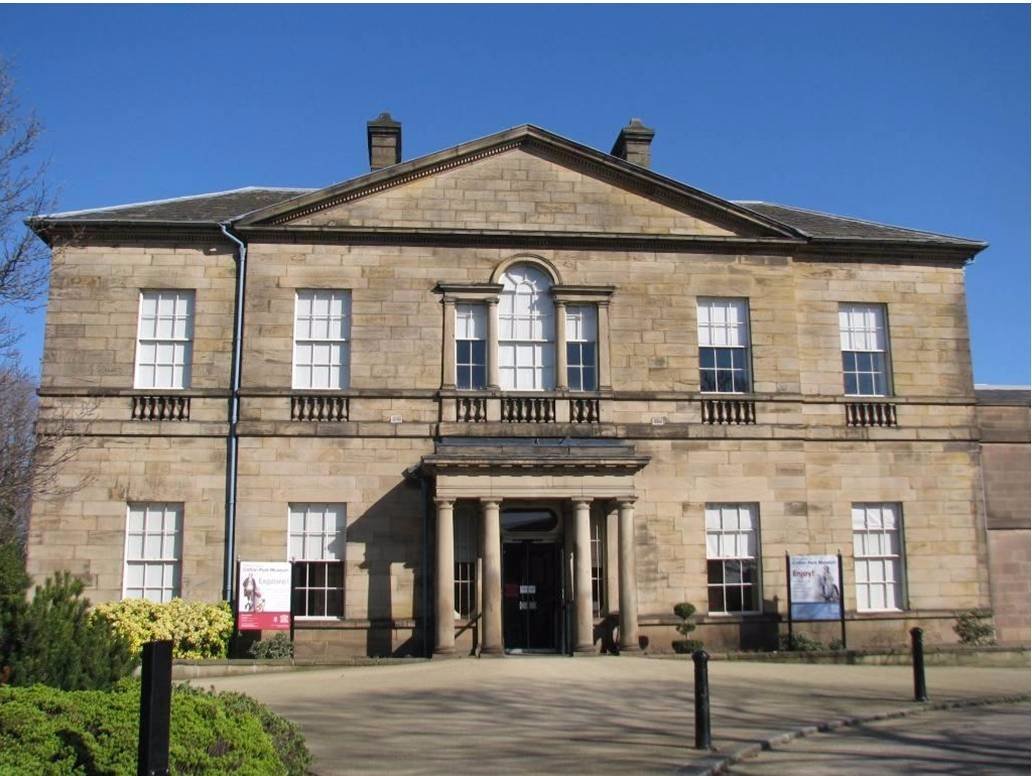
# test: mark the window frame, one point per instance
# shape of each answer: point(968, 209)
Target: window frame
point(541, 300)
point(471, 365)
point(340, 561)
point(343, 370)
point(186, 341)
point(882, 310)
point(580, 366)
point(900, 582)
point(757, 559)
point(176, 589)
point(745, 350)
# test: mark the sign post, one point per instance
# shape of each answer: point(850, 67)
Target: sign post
point(263, 596)
point(815, 590)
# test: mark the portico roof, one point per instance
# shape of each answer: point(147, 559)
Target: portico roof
point(523, 456)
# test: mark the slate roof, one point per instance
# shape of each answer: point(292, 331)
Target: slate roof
point(828, 226)
point(211, 208)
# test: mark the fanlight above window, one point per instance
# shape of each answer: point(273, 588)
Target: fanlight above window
point(526, 330)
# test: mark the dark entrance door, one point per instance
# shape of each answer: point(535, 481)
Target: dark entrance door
point(530, 591)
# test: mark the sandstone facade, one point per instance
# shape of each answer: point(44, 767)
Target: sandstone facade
point(401, 241)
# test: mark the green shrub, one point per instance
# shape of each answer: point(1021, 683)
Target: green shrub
point(54, 640)
point(46, 731)
point(279, 647)
point(197, 630)
point(14, 582)
point(799, 642)
point(975, 628)
point(685, 611)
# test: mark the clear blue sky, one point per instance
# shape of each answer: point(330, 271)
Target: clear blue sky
point(911, 115)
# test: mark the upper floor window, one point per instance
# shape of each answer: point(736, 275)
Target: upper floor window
point(153, 551)
point(526, 330)
point(470, 346)
point(322, 331)
point(724, 345)
point(164, 337)
point(865, 349)
point(582, 347)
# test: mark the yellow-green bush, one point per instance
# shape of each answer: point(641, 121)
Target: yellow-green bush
point(197, 630)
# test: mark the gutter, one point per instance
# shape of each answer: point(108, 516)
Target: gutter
point(232, 440)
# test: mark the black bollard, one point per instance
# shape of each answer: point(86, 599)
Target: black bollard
point(155, 709)
point(917, 655)
point(702, 717)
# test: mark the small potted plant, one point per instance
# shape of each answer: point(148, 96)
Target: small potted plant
point(685, 611)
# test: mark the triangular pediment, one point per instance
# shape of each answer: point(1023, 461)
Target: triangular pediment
point(522, 180)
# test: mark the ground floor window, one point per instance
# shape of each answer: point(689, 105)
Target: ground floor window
point(153, 551)
point(598, 573)
point(316, 548)
point(732, 553)
point(877, 557)
point(465, 527)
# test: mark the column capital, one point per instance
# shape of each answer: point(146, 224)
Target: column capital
point(581, 501)
point(626, 500)
point(444, 502)
point(490, 502)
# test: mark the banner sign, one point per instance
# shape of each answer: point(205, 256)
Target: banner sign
point(263, 598)
point(815, 587)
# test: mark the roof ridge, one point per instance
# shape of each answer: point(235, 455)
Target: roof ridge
point(67, 213)
point(869, 222)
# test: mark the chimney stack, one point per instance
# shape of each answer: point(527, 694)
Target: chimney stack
point(384, 141)
point(633, 144)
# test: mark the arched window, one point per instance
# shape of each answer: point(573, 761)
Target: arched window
point(526, 330)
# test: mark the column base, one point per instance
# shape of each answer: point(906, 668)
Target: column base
point(444, 652)
point(582, 650)
point(491, 652)
point(630, 649)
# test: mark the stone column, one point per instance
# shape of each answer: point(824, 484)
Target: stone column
point(448, 356)
point(561, 378)
point(444, 594)
point(491, 552)
point(583, 634)
point(628, 580)
point(493, 373)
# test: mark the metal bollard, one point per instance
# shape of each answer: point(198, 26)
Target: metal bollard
point(917, 658)
point(155, 709)
point(702, 715)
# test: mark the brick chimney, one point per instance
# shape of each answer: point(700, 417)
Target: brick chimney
point(384, 141)
point(633, 144)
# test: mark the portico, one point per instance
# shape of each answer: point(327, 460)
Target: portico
point(511, 474)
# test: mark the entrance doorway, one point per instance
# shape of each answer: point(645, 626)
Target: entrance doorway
point(531, 581)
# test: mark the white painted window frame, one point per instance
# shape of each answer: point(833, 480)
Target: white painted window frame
point(339, 535)
point(753, 509)
point(145, 339)
point(864, 561)
point(339, 369)
point(174, 561)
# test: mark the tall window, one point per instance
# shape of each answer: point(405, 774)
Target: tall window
point(724, 345)
point(322, 329)
point(164, 334)
point(153, 551)
point(581, 347)
point(598, 571)
point(470, 346)
point(526, 330)
point(465, 565)
point(317, 550)
point(732, 550)
point(864, 349)
point(877, 557)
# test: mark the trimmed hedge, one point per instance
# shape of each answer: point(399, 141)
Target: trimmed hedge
point(197, 630)
point(47, 731)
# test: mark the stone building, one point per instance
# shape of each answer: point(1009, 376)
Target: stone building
point(515, 395)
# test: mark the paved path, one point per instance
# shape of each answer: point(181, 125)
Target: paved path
point(984, 740)
point(576, 715)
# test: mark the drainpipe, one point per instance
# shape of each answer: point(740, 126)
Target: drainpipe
point(232, 442)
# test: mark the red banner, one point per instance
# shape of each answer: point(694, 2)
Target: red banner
point(263, 621)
